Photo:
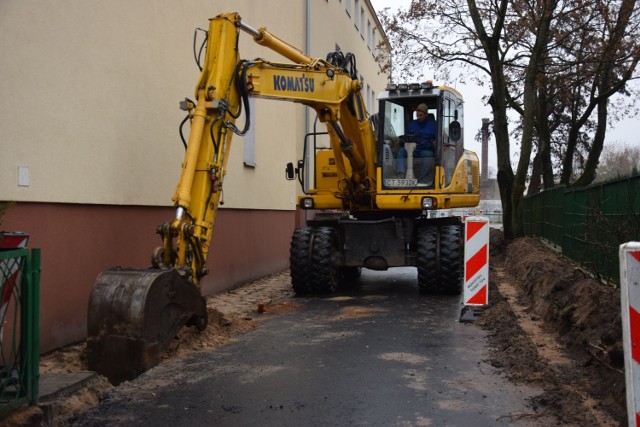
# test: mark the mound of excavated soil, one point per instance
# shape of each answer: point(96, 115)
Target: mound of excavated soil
point(552, 324)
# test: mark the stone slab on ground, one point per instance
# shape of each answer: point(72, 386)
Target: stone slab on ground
point(53, 386)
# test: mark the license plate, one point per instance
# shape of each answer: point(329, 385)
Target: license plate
point(401, 182)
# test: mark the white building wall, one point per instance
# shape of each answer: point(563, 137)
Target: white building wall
point(340, 25)
point(90, 92)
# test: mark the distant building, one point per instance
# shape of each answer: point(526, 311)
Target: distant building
point(489, 189)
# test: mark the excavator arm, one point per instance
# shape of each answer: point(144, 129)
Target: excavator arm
point(135, 313)
point(224, 86)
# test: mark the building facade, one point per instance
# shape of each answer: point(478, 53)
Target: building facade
point(90, 147)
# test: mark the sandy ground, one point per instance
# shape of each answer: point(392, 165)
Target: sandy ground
point(549, 324)
point(232, 312)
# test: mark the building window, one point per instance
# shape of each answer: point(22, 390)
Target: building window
point(369, 35)
point(374, 43)
point(373, 102)
point(347, 6)
point(362, 23)
point(356, 21)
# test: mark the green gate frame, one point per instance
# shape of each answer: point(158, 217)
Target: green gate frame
point(20, 350)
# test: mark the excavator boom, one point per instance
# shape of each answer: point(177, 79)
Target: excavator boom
point(135, 313)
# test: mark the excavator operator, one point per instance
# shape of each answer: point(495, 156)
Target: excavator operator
point(424, 127)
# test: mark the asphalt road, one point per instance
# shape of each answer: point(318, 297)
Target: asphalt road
point(379, 355)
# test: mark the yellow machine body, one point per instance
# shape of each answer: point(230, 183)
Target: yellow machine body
point(350, 178)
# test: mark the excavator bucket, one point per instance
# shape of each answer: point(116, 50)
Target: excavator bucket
point(133, 316)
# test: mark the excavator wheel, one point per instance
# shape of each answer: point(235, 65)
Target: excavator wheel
point(440, 260)
point(451, 259)
point(133, 316)
point(324, 273)
point(427, 260)
point(300, 260)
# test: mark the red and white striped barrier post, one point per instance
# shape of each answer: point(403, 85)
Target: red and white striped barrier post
point(630, 301)
point(476, 261)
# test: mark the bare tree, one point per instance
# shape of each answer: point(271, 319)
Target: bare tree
point(553, 62)
point(607, 51)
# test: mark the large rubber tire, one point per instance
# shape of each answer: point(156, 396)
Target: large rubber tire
point(324, 274)
point(440, 260)
point(427, 260)
point(450, 262)
point(300, 261)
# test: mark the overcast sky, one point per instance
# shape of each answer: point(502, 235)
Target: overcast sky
point(626, 131)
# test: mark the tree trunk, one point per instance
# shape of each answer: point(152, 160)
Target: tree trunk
point(534, 69)
point(491, 46)
point(589, 173)
point(544, 135)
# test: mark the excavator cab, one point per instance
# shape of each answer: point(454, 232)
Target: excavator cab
point(407, 161)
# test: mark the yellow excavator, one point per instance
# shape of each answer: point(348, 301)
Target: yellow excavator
point(376, 193)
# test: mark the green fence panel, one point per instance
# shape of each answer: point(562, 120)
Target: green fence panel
point(19, 328)
point(575, 215)
point(543, 215)
point(554, 216)
point(589, 223)
point(613, 218)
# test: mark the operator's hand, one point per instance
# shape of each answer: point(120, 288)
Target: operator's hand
point(426, 144)
point(409, 138)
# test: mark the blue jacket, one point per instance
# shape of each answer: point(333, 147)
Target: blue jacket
point(426, 132)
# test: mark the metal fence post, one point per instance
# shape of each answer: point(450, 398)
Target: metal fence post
point(35, 320)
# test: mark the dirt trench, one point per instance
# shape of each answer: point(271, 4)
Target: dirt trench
point(553, 325)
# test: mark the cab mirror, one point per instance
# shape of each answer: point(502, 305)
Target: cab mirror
point(455, 131)
point(290, 172)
